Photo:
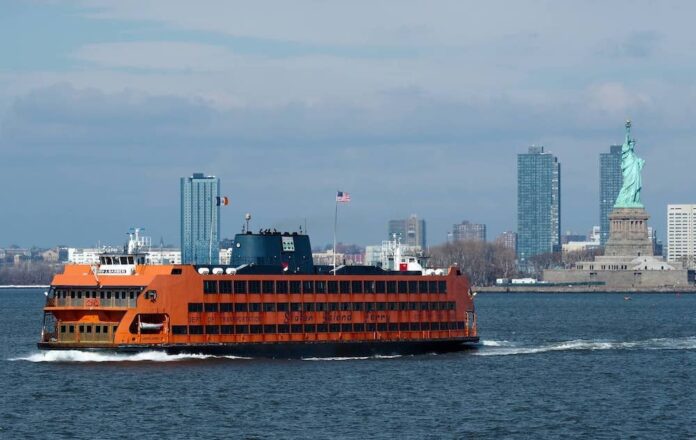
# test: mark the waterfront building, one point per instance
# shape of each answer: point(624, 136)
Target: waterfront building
point(200, 219)
point(508, 239)
point(569, 236)
point(410, 231)
point(681, 233)
point(538, 204)
point(467, 231)
point(610, 181)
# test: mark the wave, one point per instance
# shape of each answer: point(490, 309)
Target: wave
point(497, 349)
point(89, 356)
point(354, 358)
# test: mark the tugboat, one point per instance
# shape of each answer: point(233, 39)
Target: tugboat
point(271, 301)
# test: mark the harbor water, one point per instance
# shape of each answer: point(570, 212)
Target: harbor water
point(549, 366)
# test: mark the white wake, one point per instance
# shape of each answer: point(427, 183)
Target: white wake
point(505, 348)
point(88, 356)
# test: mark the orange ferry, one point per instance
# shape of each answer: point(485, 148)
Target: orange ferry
point(271, 301)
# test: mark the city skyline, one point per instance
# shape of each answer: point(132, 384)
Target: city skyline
point(107, 101)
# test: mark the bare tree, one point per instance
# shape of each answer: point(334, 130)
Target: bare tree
point(481, 262)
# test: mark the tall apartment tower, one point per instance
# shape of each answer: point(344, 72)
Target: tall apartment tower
point(538, 204)
point(411, 231)
point(681, 233)
point(200, 219)
point(610, 181)
point(467, 231)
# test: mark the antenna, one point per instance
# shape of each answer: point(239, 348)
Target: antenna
point(247, 218)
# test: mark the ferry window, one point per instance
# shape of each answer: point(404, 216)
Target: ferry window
point(344, 287)
point(414, 326)
point(226, 329)
point(452, 305)
point(333, 307)
point(179, 329)
point(132, 295)
point(212, 330)
point(308, 286)
point(335, 328)
point(97, 329)
point(241, 307)
point(381, 306)
point(269, 329)
point(255, 329)
point(71, 329)
point(413, 287)
point(403, 327)
point(176, 271)
point(241, 329)
point(282, 307)
point(423, 286)
point(403, 306)
point(332, 286)
point(79, 294)
point(82, 329)
point(442, 285)
point(254, 307)
point(370, 327)
point(357, 286)
point(308, 307)
point(432, 286)
point(358, 327)
point(425, 326)
point(108, 295)
point(435, 326)
point(413, 306)
point(62, 329)
point(72, 294)
point(240, 286)
point(296, 328)
point(225, 286)
point(452, 325)
point(295, 307)
point(370, 307)
point(283, 328)
point(346, 327)
point(402, 287)
point(267, 286)
point(393, 327)
point(345, 306)
point(269, 307)
point(460, 325)
point(322, 328)
point(310, 328)
point(382, 327)
point(210, 286)
point(320, 286)
point(130, 260)
point(115, 328)
point(211, 307)
point(255, 286)
point(225, 307)
point(281, 287)
point(358, 306)
point(320, 307)
point(379, 287)
point(195, 307)
point(434, 306)
point(101, 295)
point(424, 306)
point(124, 260)
point(391, 286)
point(195, 329)
point(105, 329)
point(294, 287)
point(369, 287)
point(392, 306)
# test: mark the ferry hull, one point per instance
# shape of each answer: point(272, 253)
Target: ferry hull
point(291, 350)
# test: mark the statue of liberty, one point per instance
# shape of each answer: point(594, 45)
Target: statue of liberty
point(631, 166)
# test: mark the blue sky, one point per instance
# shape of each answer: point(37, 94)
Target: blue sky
point(412, 107)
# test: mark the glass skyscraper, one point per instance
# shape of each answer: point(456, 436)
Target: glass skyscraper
point(200, 219)
point(538, 204)
point(610, 181)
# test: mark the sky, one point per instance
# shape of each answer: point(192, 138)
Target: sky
point(413, 107)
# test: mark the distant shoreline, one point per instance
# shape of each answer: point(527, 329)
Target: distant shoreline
point(28, 286)
point(581, 289)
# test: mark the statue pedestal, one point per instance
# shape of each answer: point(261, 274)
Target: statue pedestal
point(628, 233)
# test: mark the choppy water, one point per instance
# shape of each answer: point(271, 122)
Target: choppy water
point(550, 366)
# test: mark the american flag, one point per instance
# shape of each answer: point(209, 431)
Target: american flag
point(342, 197)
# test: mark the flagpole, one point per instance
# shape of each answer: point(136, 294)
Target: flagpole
point(210, 242)
point(334, 243)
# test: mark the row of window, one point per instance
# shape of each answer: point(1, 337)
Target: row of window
point(315, 328)
point(270, 286)
point(87, 328)
point(320, 306)
point(102, 294)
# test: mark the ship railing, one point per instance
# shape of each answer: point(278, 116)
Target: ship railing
point(91, 302)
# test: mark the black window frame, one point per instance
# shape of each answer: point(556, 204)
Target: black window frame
point(210, 286)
